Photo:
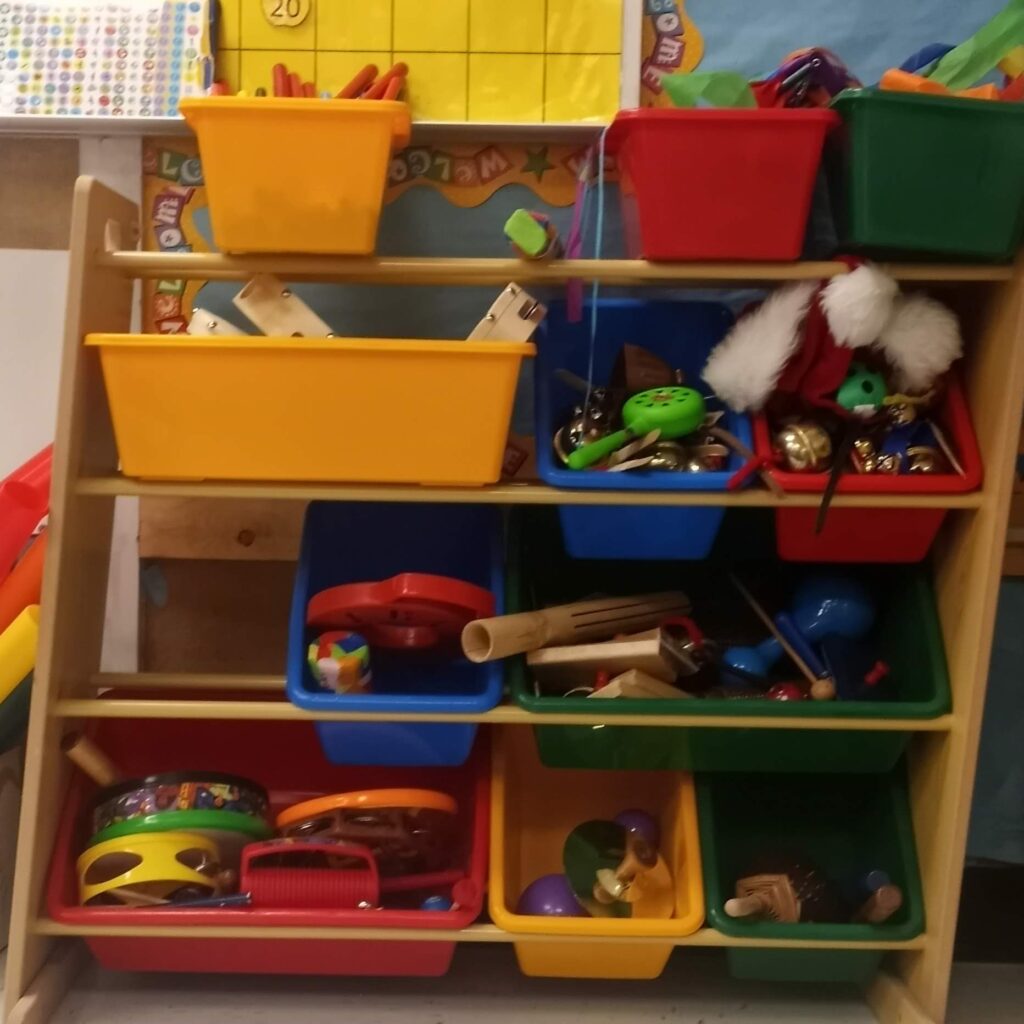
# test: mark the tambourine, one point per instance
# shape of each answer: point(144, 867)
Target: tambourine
point(149, 870)
point(411, 611)
point(177, 791)
point(408, 831)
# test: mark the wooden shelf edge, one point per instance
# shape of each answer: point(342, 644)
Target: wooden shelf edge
point(501, 494)
point(488, 271)
point(505, 714)
point(475, 933)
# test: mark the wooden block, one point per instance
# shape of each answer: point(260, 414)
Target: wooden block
point(576, 665)
point(277, 311)
point(635, 683)
point(197, 528)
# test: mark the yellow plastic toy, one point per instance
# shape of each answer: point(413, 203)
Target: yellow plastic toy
point(148, 869)
point(18, 650)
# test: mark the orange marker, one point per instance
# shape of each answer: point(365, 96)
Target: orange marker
point(309, 90)
point(280, 80)
point(377, 90)
point(395, 87)
point(362, 80)
point(294, 85)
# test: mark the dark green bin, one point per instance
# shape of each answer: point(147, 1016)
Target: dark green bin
point(929, 174)
point(910, 640)
point(847, 825)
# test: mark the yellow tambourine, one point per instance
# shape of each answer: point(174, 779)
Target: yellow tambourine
point(148, 870)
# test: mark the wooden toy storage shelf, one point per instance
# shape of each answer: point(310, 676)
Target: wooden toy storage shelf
point(68, 685)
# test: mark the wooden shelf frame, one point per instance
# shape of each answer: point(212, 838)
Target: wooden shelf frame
point(757, 496)
point(706, 937)
point(966, 568)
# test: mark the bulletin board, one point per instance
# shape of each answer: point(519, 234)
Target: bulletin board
point(470, 60)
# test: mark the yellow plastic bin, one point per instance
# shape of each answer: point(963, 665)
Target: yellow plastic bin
point(296, 175)
point(350, 410)
point(533, 809)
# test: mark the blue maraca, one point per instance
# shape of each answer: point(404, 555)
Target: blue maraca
point(822, 606)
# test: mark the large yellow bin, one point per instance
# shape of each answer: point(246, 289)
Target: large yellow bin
point(533, 809)
point(296, 175)
point(351, 410)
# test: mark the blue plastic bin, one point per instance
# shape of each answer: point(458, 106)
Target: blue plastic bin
point(356, 543)
point(682, 333)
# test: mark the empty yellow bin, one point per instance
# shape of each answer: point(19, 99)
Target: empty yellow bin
point(533, 809)
point(296, 175)
point(344, 410)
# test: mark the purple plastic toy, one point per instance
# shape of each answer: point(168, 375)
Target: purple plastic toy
point(644, 824)
point(551, 896)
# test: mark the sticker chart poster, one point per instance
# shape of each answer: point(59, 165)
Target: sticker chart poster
point(469, 60)
point(129, 59)
point(176, 215)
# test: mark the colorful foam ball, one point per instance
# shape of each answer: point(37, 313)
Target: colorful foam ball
point(340, 662)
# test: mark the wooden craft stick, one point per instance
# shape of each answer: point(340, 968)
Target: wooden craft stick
point(489, 639)
point(362, 80)
point(89, 759)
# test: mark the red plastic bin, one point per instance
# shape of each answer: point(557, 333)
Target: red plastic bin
point(874, 534)
point(286, 758)
point(717, 184)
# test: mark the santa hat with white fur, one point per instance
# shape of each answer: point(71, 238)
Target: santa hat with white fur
point(801, 340)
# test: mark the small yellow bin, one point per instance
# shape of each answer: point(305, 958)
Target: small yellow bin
point(296, 175)
point(352, 410)
point(533, 809)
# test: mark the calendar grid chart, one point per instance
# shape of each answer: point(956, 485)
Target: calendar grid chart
point(488, 61)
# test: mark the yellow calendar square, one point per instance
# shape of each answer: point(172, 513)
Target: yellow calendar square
point(580, 88)
point(584, 26)
point(353, 24)
point(258, 34)
point(229, 37)
point(335, 70)
point(437, 85)
point(506, 87)
point(228, 69)
point(514, 27)
point(440, 26)
point(257, 68)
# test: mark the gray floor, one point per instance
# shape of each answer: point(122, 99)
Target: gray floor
point(485, 985)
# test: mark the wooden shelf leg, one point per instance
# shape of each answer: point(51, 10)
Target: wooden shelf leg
point(48, 988)
point(74, 579)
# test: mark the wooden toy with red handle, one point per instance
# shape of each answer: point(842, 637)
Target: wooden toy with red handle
point(489, 639)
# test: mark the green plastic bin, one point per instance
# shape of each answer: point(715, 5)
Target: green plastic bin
point(929, 174)
point(848, 825)
point(909, 635)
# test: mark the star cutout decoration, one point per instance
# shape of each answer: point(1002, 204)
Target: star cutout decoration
point(537, 162)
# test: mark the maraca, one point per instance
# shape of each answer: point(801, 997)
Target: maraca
point(674, 411)
point(823, 606)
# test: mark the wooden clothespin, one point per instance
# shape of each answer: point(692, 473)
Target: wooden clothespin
point(277, 311)
point(514, 316)
point(206, 324)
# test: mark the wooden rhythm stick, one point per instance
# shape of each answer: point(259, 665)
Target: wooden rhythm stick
point(89, 759)
point(821, 689)
point(489, 639)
